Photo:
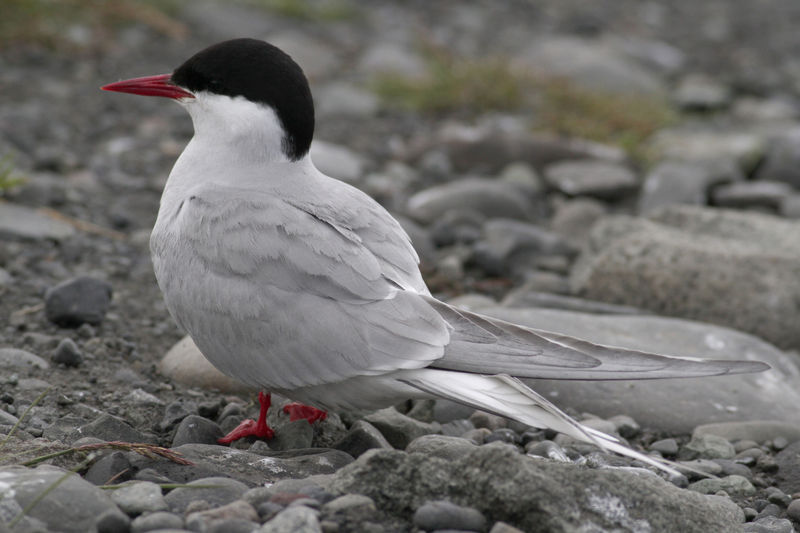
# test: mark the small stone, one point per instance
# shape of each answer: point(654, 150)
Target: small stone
point(708, 446)
point(232, 525)
point(139, 497)
point(293, 435)
point(398, 428)
point(734, 468)
point(700, 93)
point(77, 301)
point(547, 449)
point(443, 514)
point(156, 521)
point(491, 198)
point(20, 222)
point(236, 509)
point(665, 446)
point(482, 419)
point(733, 485)
point(778, 497)
point(502, 527)
point(503, 435)
point(769, 524)
point(225, 490)
point(793, 511)
point(113, 521)
point(350, 504)
point(779, 443)
point(67, 353)
point(598, 179)
point(769, 194)
point(112, 467)
point(362, 436)
point(175, 412)
point(110, 428)
point(441, 446)
point(625, 425)
point(13, 359)
point(195, 428)
point(299, 519)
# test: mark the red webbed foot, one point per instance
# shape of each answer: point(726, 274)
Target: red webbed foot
point(253, 428)
point(298, 411)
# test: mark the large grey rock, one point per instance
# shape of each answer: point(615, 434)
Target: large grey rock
point(590, 64)
point(251, 468)
point(533, 495)
point(18, 222)
point(185, 364)
point(491, 198)
point(731, 268)
point(671, 405)
point(72, 506)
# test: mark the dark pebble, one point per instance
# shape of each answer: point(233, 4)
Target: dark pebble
point(113, 521)
point(112, 468)
point(196, 429)
point(67, 353)
point(77, 301)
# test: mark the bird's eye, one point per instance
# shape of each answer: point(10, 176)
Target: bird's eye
point(215, 85)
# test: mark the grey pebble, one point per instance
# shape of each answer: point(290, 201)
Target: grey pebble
point(67, 353)
point(708, 446)
point(299, 519)
point(442, 446)
point(292, 435)
point(361, 437)
point(770, 524)
point(195, 428)
point(665, 446)
point(398, 428)
point(224, 490)
point(443, 514)
point(793, 511)
point(113, 521)
point(77, 301)
point(139, 497)
point(599, 179)
point(232, 525)
point(156, 521)
point(113, 466)
point(733, 485)
point(547, 449)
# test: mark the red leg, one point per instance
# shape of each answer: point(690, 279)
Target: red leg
point(250, 427)
point(298, 411)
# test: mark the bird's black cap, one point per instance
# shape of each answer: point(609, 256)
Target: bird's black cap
point(261, 73)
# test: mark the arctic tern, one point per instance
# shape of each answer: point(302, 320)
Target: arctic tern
point(297, 283)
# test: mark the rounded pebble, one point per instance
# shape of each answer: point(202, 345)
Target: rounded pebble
point(443, 514)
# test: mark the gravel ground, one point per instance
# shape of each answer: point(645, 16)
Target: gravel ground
point(687, 244)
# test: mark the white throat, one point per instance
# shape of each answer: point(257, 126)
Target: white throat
point(234, 130)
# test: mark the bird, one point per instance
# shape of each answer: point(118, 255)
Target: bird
point(297, 283)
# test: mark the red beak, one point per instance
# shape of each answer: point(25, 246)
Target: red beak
point(149, 86)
